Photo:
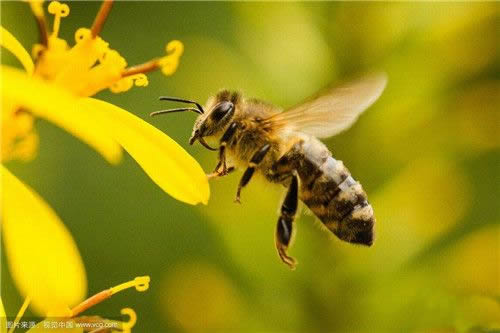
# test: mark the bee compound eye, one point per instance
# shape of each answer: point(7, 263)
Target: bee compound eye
point(221, 110)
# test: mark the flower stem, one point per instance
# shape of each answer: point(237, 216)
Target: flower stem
point(101, 17)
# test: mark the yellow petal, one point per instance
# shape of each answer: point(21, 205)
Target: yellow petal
point(3, 318)
point(42, 256)
point(10, 42)
point(59, 107)
point(163, 159)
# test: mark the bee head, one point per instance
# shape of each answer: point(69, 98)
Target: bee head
point(220, 108)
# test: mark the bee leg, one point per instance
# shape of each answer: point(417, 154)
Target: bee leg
point(256, 159)
point(216, 174)
point(284, 230)
point(228, 134)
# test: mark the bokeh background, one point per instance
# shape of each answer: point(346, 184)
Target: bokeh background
point(427, 154)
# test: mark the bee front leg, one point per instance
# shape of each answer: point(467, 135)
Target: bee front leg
point(228, 134)
point(217, 174)
point(284, 229)
point(256, 159)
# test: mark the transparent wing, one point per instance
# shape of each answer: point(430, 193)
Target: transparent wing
point(334, 110)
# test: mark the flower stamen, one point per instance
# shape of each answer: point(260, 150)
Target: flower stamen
point(37, 9)
point(146, 67)
point(58, 10)
point(20, 314)
point(168, 63)
point(90, 302)
point(127, 325)
point(101, 17)
point(140, 283)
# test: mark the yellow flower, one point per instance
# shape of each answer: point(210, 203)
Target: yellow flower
point(58, 86)
point(42, 256)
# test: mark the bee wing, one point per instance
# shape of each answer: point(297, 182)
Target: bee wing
point(335, 110)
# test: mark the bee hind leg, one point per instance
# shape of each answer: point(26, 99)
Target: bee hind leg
point(284, 229)
point(256, 159)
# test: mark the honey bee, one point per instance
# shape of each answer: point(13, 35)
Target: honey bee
point(283, 146)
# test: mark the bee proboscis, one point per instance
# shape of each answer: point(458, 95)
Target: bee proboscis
point(283, 146)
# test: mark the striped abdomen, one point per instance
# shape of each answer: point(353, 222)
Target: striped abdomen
point(339, 201)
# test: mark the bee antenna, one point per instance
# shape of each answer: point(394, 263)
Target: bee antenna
point(174, 110)
point(176, 99)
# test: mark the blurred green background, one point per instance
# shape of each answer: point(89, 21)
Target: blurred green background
point(427, 154)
